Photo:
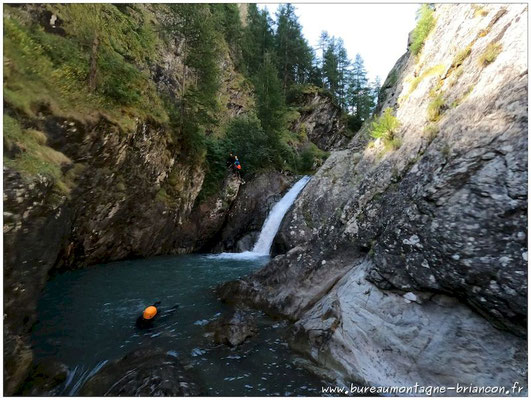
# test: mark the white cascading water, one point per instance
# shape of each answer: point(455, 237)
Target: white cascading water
point(274, 219)
point(271, 225)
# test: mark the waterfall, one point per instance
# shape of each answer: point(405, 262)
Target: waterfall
point(271, 224)
point(274, 219)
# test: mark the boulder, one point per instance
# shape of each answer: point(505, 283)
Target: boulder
point(233, 329)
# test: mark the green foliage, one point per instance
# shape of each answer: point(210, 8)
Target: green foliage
point(217, 151)
point(258, 39)
point(248, 140)
point(436, 108)
point(52, 69)
point(121, 82)
point(491, 52)
point(425, 23)
point(270, 99)
point(310, 157)
point(385, 128)
point(293, 53)
point(25, 150)
point(362, 97)
point(227, 21)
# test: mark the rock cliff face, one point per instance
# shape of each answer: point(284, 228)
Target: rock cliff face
point(320, 120)
point(408, 263)
point(126, 191)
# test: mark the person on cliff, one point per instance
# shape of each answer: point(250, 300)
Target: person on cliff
point(231, 160)
point(238, 168)
point(147, 318)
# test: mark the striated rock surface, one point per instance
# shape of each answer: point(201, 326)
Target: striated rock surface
point(145, 372)
point(409, 264)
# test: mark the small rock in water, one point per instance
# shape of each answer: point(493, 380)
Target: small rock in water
point(233, 329)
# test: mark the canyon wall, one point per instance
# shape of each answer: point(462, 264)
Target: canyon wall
point(406, 255)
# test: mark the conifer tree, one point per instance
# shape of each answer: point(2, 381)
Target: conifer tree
point(270, 98)
point(258, 38)
point(293, 52)
point(361, 100)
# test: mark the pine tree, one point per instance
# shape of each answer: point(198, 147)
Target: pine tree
point(361, 100)
point(270, 98)
point(343, 73)
point(258, 38)
point(196, 26)
point(294, 55)
point(227, 20)
point(330, 67)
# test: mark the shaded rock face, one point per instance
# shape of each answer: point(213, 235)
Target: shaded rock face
point(320, 119)
point(146, 372)
point(233, 329)
point(410, 265)
point(249, 211)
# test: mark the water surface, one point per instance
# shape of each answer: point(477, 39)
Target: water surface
point(87, 317)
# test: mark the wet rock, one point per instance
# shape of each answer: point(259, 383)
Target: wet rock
point(233, 329)
point(45, 379)
point(144, 372)
point(249, 211)
point(17, 359)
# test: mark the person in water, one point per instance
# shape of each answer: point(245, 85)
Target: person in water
point(145, 320)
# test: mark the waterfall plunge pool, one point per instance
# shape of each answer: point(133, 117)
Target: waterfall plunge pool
point(87, 317)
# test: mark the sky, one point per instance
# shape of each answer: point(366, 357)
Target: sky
point(378, 32)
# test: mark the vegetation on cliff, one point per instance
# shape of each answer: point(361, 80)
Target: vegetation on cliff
point(80, 61)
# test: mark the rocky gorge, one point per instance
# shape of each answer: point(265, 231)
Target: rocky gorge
point(398, 264)
point(126, 187)
point(409, 264)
